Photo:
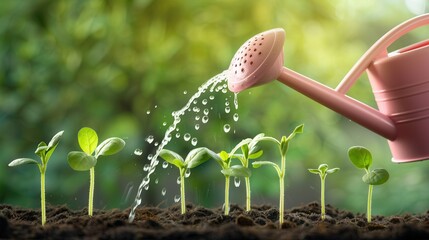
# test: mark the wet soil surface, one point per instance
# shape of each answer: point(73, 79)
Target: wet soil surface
point(202, 223)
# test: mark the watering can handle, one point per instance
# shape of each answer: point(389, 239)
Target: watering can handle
point(379, 49)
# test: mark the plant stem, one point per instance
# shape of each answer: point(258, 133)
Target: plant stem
point(281, 201)
point(91, 190)
point(226, 212)
point(247, 181)
point(322, 197)
point(182, 191)
point(368, 210)
point(42, 197)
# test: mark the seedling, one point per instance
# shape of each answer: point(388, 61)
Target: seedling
point(86, 160)
point(249, 150)
point(224, 160)
point(323, 171)
point(194, 158)
point(362, 158)
point(44, 151)
point(283, 145)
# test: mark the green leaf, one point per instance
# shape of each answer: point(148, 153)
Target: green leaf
point(109, 146)
point(323, 167)
point(55, 140)
point(315, 171)
point(224, 156)
point(172, 157)
point(332, 170)
point(270, 139)
point(256, 154)
point(298, 129)
point(237, 171)
point(81, 161)
point(284, 145)
point(360, 157)
point(376, 177)
point(21, 161)
point(258, 164)
point(241, 143)
point(245, 151)
point(41, 149)
point(87, 139)
point(197, 157)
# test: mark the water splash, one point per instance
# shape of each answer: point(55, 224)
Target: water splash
point(212, 83)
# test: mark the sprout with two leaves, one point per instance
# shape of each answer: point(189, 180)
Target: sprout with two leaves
point(86, 160)
point(283, 145)
point(44, 151)
point(362, 158)
point(194, 158)
point(323, 171)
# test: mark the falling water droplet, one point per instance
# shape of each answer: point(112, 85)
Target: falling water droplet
point(164, 164)
point(156, 181)
point(146, 167)
point(176, 198)
point(226, 103)
point(224, 90)
point(196, 109)
point(178, 180)
point(156, 144)
point(187, 136)
point(149, 157)
point(237, 181)
point(194, 141)
point(235, 117)
point(187, 172)
point(197, 117)
point(138, 152)
point(226, 128)
point(149, 139)
point(204, 102)
point(177, 135)
point(227, 109)
point(164, 124)
point(185, 92)
point(163, 191)
point(156, 106)
point(206, 111)
point(197, 126)
point(195, 102)
point(236, 100)
point(146, 187)
point(205, 119)
point(211, 97)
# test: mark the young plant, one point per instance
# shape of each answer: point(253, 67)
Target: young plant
point(224, 160)
point(194, 158)
point(362, 158)
point(44, 151)
point(249, 150)
point(283, 145)
point(323, 171)
point(86, 160)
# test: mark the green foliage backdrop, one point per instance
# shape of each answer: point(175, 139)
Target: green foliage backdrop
point(105, 64)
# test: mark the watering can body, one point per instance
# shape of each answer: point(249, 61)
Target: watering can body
point(400, 83)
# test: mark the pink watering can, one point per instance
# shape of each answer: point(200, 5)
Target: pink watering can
point(400, 83)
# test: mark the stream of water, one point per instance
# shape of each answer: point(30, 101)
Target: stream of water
point(213, 84)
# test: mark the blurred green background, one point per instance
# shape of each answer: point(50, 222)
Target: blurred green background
point(106, 64)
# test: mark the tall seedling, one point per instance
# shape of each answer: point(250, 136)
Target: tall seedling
point(44, 151)
point(86, 160)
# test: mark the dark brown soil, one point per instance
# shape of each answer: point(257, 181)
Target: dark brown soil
point(202, 223)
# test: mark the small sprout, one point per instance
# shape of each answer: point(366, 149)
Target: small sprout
point(283, 145)
point(224, 160)
point(323, 171)
point(195, 158)
point(44, 151)
point(249, 150)
point(86, 160)
point(362, 158)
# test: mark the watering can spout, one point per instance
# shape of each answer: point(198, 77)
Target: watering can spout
point(401, 115)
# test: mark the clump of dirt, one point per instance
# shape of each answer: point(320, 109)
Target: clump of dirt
point(201, 223)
